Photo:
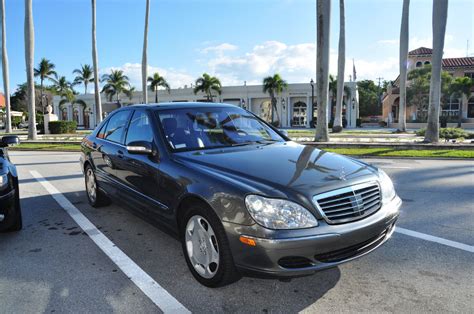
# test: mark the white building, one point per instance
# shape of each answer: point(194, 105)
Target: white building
point(293, 105)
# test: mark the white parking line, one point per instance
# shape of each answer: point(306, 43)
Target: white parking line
point(157, 294)
point(427, 237)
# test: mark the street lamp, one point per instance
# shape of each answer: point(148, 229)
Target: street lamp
point(312, 98)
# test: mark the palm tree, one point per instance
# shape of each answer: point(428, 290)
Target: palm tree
point(95, 62)
point(145, 55)
point(157, 81)
point(341, 63)
point(440, 16)
point(6, 75)
point(116, 83)
point(207, 84)
point(84, 76)
point(323, 11)
point(45, 70)
point(29, 60)
point(274, 85)
point(402, 122)
point(62, 86)
point(461, 87)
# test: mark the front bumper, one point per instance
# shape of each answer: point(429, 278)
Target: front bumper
point(7, 205)
point(291, 254)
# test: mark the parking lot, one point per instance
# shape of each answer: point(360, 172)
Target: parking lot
point(54, 265)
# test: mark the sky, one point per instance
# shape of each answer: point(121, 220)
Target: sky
point(235, 40)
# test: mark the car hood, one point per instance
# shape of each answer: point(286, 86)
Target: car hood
point(286, 167)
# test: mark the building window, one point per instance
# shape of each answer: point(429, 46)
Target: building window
point(299, 114)
point(419, 64)
point(64, 114)
point(469, 74)
point(451, 108)
point(427, 62)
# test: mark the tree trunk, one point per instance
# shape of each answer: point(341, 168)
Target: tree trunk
point(404, 34)
point(42, 95)
point(461, 102)
point(440, 16)
point(6, 75)
point(98, 102)
point(30, 76)
point(323, 11)
point(85, 88)
point(341, 63)
point(156, 94)
point(145, 55)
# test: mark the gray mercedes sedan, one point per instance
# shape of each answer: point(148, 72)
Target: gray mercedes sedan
point(242, 198)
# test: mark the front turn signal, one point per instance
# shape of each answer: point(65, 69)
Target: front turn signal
point(248, 241)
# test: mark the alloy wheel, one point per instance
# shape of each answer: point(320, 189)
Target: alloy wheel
point(202, 246)
point(91, 185)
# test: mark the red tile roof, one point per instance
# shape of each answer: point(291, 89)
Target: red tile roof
point(458, 62)
point(421, 51)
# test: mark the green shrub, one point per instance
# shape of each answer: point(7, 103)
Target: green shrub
point(421, 132)
point(452, 133)
point(447, 133)
point(62, 127)
point(359, 122)
point(383, 124)
point(16, 121)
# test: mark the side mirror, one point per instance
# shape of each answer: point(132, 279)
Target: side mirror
point(10, 140)
point(284, 132)
point(140, 148)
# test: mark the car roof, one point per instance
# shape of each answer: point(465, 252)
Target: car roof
point(181, 105)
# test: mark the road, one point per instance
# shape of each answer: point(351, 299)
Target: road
point(54, 266)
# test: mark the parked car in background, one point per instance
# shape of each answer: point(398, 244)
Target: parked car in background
point(10, 210)
point(241, 197)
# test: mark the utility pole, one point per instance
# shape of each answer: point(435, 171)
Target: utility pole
point(379, 94)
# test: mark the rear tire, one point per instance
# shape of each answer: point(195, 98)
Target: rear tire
point(95, 196)
point(206, 248)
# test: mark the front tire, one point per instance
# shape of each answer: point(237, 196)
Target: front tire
point(95, 196)
point(14, 220)
point(206, 248)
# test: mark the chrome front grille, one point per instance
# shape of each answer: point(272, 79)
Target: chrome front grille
point(350, 203)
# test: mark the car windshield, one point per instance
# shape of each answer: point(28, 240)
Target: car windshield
point(205, 128)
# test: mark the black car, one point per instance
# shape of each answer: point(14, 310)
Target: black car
point(241, 196)
point(10, 211)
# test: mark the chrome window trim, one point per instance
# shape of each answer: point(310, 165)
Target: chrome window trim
point(348, 189)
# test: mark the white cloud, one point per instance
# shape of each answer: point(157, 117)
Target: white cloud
point(388, 42)
point(219, 49)
point(174, 77)
point(295, 63)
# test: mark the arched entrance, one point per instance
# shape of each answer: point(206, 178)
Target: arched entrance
point(87, 119)
point(395, 107)
point(470, 108)
point(266, 111)
point(299, 117)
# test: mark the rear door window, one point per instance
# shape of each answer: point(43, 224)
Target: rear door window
point(115, 130)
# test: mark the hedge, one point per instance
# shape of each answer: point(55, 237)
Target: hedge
point(448, 133)
point(62, 127)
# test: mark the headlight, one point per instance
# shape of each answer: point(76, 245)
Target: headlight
point(386, 184)
point(279, 214)
point(3, 180)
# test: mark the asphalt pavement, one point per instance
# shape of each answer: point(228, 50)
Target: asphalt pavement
point(53, 265)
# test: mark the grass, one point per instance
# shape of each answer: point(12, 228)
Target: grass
point(390, 152)
point(361, 152)
point(310, 133)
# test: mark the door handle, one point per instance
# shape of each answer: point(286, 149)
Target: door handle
point(94, 145)
point(119, 154)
